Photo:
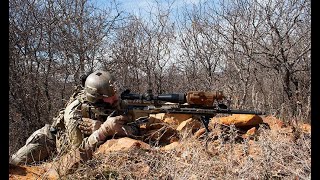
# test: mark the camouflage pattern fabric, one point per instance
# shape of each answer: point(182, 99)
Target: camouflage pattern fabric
point(72, 115)
point(112, 127)
point(42, 142)
point(38, 147)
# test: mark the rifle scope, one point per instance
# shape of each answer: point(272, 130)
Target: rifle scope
point(173, 98)
point(201, 98)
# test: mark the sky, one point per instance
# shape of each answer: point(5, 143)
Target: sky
point(140, 7)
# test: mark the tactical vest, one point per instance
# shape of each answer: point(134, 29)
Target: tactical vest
point(97, 112)
point(87, 111)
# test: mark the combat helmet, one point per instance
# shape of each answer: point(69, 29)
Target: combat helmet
point(99, 85)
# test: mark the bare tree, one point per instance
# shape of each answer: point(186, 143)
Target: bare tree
point(49, 42)
point(257, 40)
point(141, 51)
point(258, 52)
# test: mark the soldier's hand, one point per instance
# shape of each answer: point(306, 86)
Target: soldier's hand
point(88, 126)
point(116, 126)
point(113, 126)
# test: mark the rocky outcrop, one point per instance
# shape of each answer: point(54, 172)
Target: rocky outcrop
point(273, 122)
point(240, 120)
point(30, 172)
point(251, 132)
point(167, 133)
point(122, 144)
point(171, 146)
point(189, 124)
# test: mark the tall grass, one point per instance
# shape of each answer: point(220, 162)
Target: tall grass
point(269, 154)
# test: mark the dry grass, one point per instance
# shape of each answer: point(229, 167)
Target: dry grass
point(270, 154)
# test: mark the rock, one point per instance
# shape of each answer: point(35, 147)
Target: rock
point(159, 116)
point(189, 124)
point(29, 172)
point(164, 135)
point(175, 119)
point(170, 146)
point(122, 144)
point(273, 122)
point(199, 132)
point(157, 121)
point(250, 132)
point(240, 120)
point(306, 128)
point(153, 123)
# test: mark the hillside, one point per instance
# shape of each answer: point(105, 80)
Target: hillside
point(237, 147)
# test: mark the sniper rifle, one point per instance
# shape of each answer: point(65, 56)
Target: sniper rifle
point(203, 105)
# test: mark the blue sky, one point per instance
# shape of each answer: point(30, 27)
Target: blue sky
point(142, 6)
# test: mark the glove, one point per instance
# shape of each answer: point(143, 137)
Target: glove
point(113, 126)
point(88, 126)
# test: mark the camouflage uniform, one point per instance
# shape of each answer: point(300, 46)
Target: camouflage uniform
point(42, 143)
point(81, 124)
point(38, 147)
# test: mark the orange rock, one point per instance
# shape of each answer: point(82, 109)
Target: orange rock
point(190, 124)
point(156, 120)
point(164, 135)
point(176, 119)
point(159, 116)
point(29, 172)
point(153, 123)
point(170, 146)
point(273, 122)
point(240, 120)
point(306, 128)
point(250, 132)
point(122, 144)
point(199, 132)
